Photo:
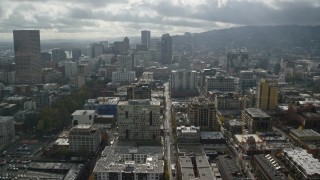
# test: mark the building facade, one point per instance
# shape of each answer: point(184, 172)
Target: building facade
point(202, 112)
point(145, 38)
point(188, 134)
point(267, 94)
point(134, 163)
point(123, 77)
point(83, 117)
point(139, 120)
point(139, 91)
point(166, 49)
point(249, 78)
point(256, 120)
point(84, 139)
point(27, 56)
point(7, 132)
point(219, 83)
point(126, 62)
point(183, 83)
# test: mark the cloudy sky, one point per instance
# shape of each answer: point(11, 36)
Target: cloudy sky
point(86, 19)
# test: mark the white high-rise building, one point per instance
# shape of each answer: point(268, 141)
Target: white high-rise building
point(70, 69)
point(139, 120)
point(183, 80)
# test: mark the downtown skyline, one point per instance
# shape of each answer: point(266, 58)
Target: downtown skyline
point(80, 19)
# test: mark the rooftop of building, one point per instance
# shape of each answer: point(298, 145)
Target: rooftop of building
point(211, 135)
point(257, 113)
point(187, 171)
point(154, 150)
point(243, 138)
point(186, 129)
point(201, 100)
point(62, 142)
point(229, 168)
point(270, 166)
point(193, 149)
point(111, 160)
point(304, 160)
point(300, 133)
point(139, 102)
point(229, 112)
point(4, 119)
point(235, 122)
point(108, 100)
point(83, 112)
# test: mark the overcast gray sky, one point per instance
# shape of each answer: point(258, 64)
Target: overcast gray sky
point(85, 19)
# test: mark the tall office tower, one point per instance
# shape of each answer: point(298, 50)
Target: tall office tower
point(58, 54)
point(76, 54)
point(126, 44)
point(27, 56)
point(139, 120)
point(267, 94)
point(96, 50)
point(202, 112)
point(166, 49)
point(145, 38)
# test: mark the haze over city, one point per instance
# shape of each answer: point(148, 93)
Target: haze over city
point(82, 19)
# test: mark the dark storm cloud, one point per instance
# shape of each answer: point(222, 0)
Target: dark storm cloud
point(131, 16)
point(246, 12)
point(157, 15)
point(95, 3)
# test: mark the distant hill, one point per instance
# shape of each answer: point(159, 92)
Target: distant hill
point(255, 38)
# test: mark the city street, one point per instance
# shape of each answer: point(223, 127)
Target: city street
point(168, 131)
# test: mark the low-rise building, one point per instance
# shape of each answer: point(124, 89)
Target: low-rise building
point(308, 139)
point(212, 137)
point(256, 120)
point(188, 134)
point(123, 77)
point(83, 117)
point(267, 167)
point(194, 167)
point(125, 162)
point(301, 163)
point(228, 168)
point(84, 139)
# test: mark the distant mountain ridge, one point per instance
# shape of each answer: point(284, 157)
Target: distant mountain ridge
point(255, 37)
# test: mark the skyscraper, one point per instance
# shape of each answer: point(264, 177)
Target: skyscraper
point(145, 38)
point(166, 49)
point(27, 56)
point(267, 94)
